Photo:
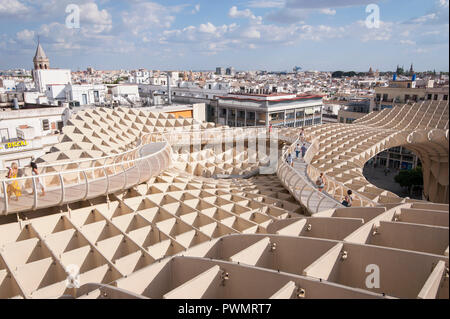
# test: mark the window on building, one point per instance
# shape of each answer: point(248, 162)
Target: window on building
point(300, 114)
point(445, 97)
point(96, 97)
point(45, 125)
point(430, 96)
point(378, 97)
point(84, 99)
point(435, 97)
point(406, 97)
point(4, 135)
point(290, 115)
point(349, 120)
point(385, 97)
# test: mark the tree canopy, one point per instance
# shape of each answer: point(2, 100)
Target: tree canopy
point(409, 178)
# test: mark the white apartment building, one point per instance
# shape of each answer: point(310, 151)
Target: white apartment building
point(125, 93)
point(87, 94)
point(8, 85)
point(209, 91)
point(139, 77)
point(29, 133)
point(400, 92)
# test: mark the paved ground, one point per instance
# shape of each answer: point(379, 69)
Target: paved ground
point(377, 177)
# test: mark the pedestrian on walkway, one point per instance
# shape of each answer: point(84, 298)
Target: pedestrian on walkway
point(13, 186)
point(35, 172)
point(303, 149)
point(290, 160)
point(348, 200)
point(302, 135)
point(297, 150)
point(320, 182)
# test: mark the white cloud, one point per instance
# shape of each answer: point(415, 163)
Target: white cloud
point(26, 36)
point(251, 33)
point(235, 13)
point(328, 11)
point(266, 4)
point(308, 4)
point(99, 20)
point(145, 16)
point(12, 7)
point(425, 18)
point(207, 28)
point(196, 9)
point(444, 3)
point(248, 14)
point(408, 42)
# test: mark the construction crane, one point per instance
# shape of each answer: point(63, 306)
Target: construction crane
point(297, 68)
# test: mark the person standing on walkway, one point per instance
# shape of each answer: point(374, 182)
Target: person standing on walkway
point(303, 149)
point(302, 135)
point(290, 160)
point(320, 182)
point(348, 200)
point(297, 150)
point(13, 186)
point(34, 172)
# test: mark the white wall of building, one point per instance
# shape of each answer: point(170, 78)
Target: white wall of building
point(10, 121)
point(43, 78)
point(87, 94)
point(8, 85)
point(56, 92)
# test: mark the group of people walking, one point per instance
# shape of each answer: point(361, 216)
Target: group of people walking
point(13, 187)
point(320, 182)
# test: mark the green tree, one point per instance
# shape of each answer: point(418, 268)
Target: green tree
point(410, 178)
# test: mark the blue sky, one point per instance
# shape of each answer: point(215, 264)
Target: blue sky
point(247, 34)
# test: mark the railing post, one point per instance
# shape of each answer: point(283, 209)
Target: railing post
point(78, 174)
point(87, 185)
point(35, 195)
point(5, 194)
point(159, 165)
point(107, 180)
point(320, 202)
point(61, 180)
point(301, 191)
point(138, 163)
point(125, 177)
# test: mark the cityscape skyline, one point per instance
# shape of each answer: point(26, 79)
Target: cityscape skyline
point(249, 35)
